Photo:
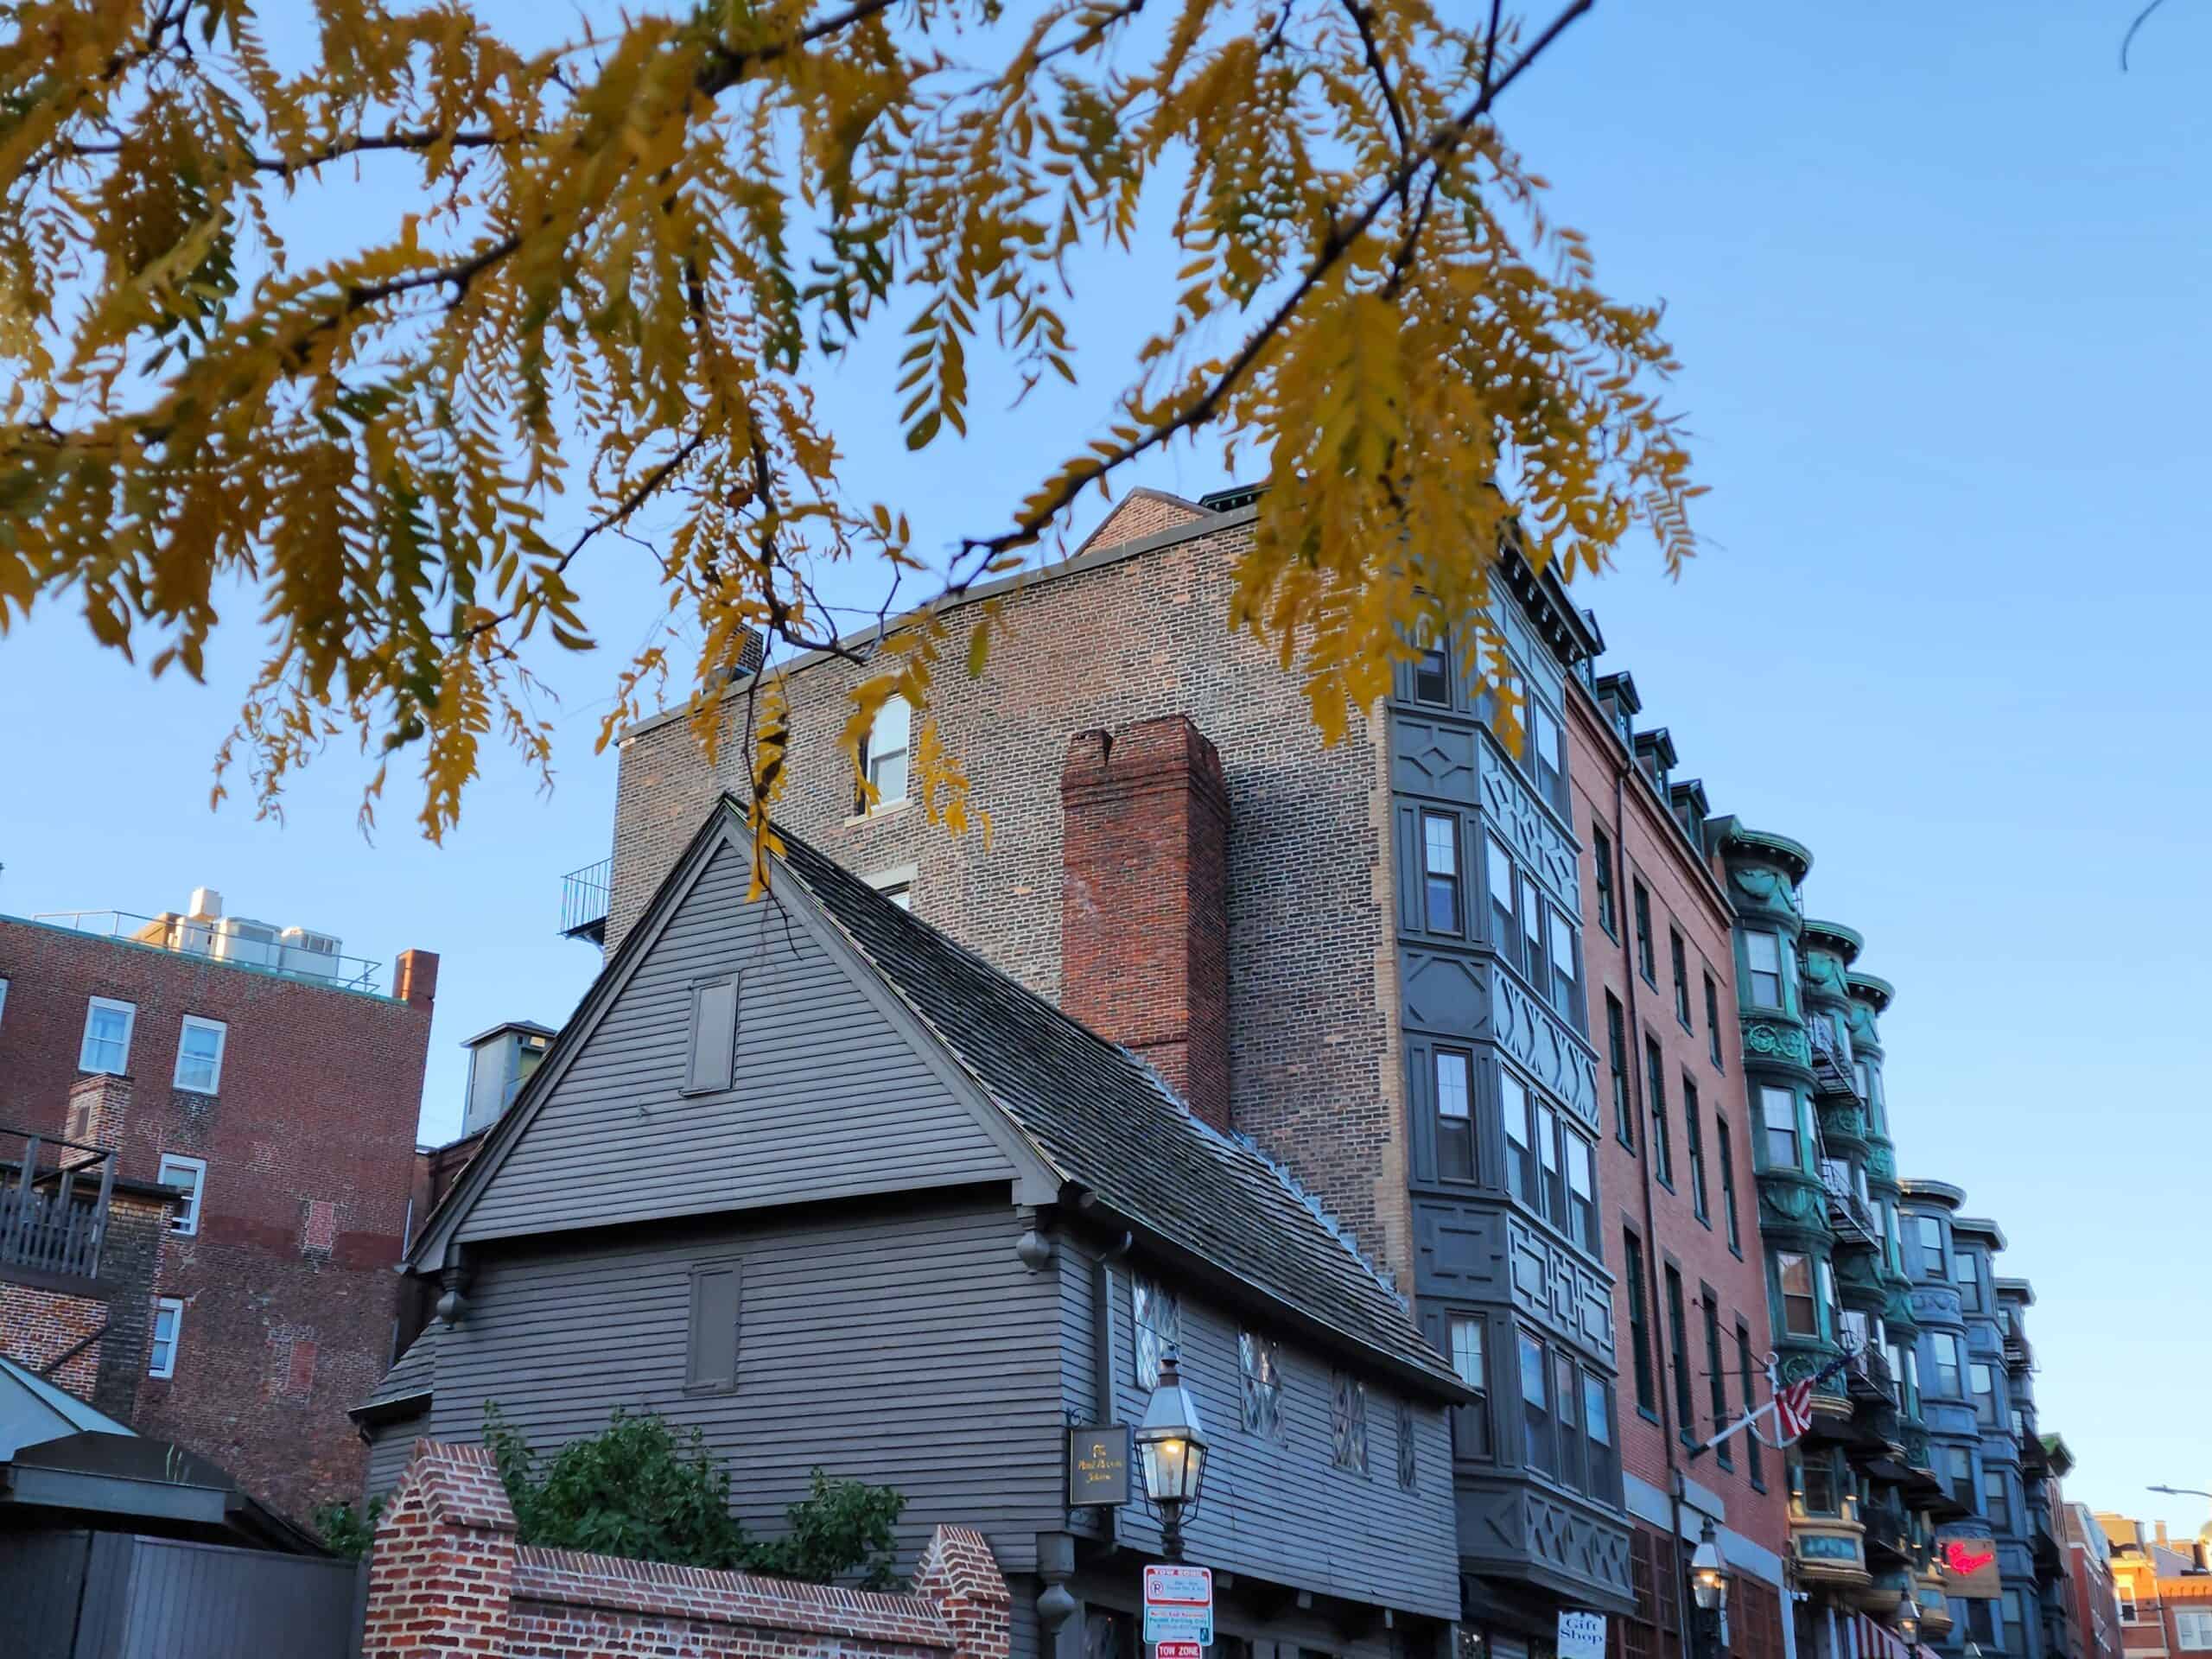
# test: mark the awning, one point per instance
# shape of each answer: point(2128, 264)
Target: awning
point(147, 1485)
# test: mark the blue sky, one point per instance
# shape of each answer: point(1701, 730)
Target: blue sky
point(1936, 276)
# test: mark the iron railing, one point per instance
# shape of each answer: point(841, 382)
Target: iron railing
point(206, 938)
point(54, 1200)
point(584, 897)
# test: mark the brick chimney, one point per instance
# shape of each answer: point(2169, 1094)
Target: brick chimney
point(415, 978)
point(99, 1106)
point(1144, 901)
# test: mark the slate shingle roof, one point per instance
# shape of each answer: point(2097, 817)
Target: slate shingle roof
point(413, 1373)
point(1103, 1120)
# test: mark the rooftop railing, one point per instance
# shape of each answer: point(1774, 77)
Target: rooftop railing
point(54, 1201)
point(209, 940)
point(584, 895)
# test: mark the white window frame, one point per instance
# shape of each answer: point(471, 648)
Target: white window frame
point(2197, 1623)
point(192, 1022)
point(185, 1223)
point(174, 1309)
point(877, 752)
point(896, 885)
point(93, 1005)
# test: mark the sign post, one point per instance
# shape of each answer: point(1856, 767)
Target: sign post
point(1179, 1611)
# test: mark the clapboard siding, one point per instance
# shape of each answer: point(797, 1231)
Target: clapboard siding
point(390, 1448)
point(1282, 1511)
point(906, 1346)
point(831, 1098)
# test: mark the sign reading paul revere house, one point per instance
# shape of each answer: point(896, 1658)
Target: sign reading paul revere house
point(1098, 1464)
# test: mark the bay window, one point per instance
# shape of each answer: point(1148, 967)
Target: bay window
point(1763, 954)
point(1455, 1129)
point(1778, 1110)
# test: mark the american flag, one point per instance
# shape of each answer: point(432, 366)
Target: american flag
point(1793, 1406)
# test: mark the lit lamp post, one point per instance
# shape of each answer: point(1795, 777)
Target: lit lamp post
point(1709, 1589)
point(1908, 1622)
point(1172, 1455)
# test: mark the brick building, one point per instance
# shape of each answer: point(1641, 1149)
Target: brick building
point(2094, 1605)
point(263, 1082)
point(2162, 1586)
point(1306, 939)
point(1677, 1158)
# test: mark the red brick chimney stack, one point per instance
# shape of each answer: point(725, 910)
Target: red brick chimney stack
point(415, 978)
point(1144, 901)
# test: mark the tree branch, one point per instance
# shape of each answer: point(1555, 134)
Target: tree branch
point(1343, 237)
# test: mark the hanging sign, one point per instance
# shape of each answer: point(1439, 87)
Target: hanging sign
point(1098, 1465)
point(1581, 1636)
point(1969, 1565)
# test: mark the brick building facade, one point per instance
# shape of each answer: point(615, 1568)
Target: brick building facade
point(1677, 1158)
point(274, 1298)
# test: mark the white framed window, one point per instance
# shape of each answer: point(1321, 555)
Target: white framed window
point(2125, 1593)
point(169, 1330)
point(883, 758)
point(106, 1046)
point(896, 885)
point(199, 1055)
point(2193, 1630)
point(190, 1174)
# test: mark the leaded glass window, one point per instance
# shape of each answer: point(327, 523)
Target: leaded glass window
point(1348, 1422)
point(1260, 1364)
point(1409, 1467)
point(1159, 1327)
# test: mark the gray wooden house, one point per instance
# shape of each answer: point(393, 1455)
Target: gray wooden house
point(805, 1173)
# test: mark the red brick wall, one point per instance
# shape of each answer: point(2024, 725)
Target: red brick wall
point(1313, 1062)
point(1144, 902)
point(309, 1144)
point(447, 1577)
point(1685, 895)
point(38, 1326)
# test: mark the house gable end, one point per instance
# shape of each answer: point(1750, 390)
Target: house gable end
point(830, 1092)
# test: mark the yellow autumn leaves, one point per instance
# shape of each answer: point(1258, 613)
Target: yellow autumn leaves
point(628, 259)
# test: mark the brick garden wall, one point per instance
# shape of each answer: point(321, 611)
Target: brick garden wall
point(290, 1296)
point(1122, 638)
point(448, 1578)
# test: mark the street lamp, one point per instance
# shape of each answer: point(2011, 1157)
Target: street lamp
point(1709, 1588)
point(1909, 1621)
point(1171, 1453)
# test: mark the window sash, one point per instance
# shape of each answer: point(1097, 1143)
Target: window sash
point(1259, 1365)
point(888, 742)
point(1455, 1139)
point(1639, 1323)
point(1616, 1060)
point(191, 1174)
point(1712, 1019)
point(1644, 962)
point(1800, 1312)
point(168, 1329)
point(1535, 1407)
point(1655, 1083)
point(199, 1045)
point(1157, 1320)
point(1433, 677)
point(1678, 1342)
point(106, 1044)
point(1440, 872)
point(1778, 1111)
point(1693, 1126)
point(1727, 1182)
point(1679, 963)
point(1520, 1159)
point(1469, 1422)
point(1601, 854)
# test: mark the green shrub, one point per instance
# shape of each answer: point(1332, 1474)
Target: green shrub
point(642, 1490)
point(345, 1530)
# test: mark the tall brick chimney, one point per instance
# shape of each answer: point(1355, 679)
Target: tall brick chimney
point(415, 978)
point(1144, 901)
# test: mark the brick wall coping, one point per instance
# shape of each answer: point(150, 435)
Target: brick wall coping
point(569, 1578)
point(1090, 558)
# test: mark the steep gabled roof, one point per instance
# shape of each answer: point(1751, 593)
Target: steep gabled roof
point(1107, 1124)
point(1094, 1123)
